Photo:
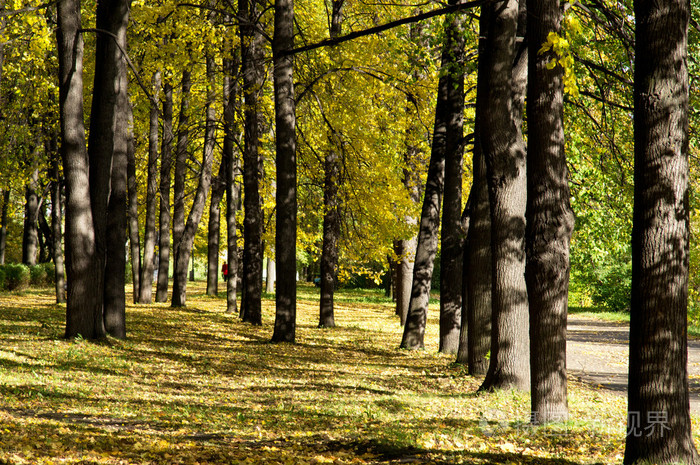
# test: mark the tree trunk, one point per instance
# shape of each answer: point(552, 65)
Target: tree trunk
point(550, 220)
point(285, 124)
point(405, 250)
point(452, 235)
point(164, 216)
point(57, 233)
point(271, 276)
point(181, 161)
point(133, 207)
point(477, 275)
point(107, 148)
point(3, 224)
point(504, 150)
point(84, 306)
point(30, 235)
point(253, 78)
point(658, 422)
point(214, 230)
point(149, 235)
point(230, 93)
point(426, 248)
point(184, 249)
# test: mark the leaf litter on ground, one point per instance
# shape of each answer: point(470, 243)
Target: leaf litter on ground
point(197, 386)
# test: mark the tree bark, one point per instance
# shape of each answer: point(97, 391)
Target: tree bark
point(149, 235)
point(271, 271)
point(550, 220)
point(285, 124)
point(504, 150)
point(230, 93)
point(30, 234)
point(658, 423)
point(84, 306)
point(452, 235)
point(253, 78)
point(426, 248)
point(214, 230)
point(181, 156)
point(331, 208)
point(164, 190)
point(56, 228)
point(184, 249)
point(3, 224)
point(133, 207)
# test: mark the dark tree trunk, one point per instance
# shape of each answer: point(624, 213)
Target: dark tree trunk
point(164, 216)
point(149, 235)
point(184, 249)
point(253, 77)
point(658, 423)
point(285, 123)
point(30, 235)
point(462, 349)
point(505, 155)
point(550, 220)
point(331, 212)
point(426, 248)
point(107, 148)
point(452, 235)
point(181, 156)
point(133, 207)
point(84, 306)
point(56, 229)
point(477, 276)
point(331, 231)
point(230, 93)
point(3, 224)
point(45, 240)
point(214, 230)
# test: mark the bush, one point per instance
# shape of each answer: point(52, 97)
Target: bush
point(612, 289)
point(2, 277)
point(37, 275)
point(50, 270)
point(17, 277)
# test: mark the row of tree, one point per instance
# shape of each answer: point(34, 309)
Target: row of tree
point(504, 256)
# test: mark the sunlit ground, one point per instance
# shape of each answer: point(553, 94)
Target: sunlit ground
point(198, 386)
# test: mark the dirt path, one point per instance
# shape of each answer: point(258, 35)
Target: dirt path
point(597, 353)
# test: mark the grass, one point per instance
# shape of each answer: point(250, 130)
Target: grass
point(197, 386)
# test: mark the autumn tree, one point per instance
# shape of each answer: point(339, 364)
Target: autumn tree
point(658, 376)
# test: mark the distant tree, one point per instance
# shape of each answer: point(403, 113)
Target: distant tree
point(133, 207)
point(505, 155)
point(3, 224)
point(658, 422)
point(285, 143)
point(550, 220)
point(214, 229)
point(56, 228)
point(166, 164)
point(30, 234)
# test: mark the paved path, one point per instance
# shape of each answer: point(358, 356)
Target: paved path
point(597, 353)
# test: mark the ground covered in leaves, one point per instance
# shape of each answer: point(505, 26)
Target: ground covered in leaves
point(198, 386)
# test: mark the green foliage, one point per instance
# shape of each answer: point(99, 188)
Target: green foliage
point(17, 276)
point(37, 275)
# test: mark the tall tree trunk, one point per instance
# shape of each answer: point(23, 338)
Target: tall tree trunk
point(331, 208)
point(477, 275)
point(181, 156)
point(107, 148)
point(426, 248)
point(184, 249)
point(271, 272)
point(253, 78)
point(462, 349)
point(452, 235)
point(57, 233)
point(149, 235)
point(230, 93)
point(285, 124)
point(550, 220)
point(165, 174)
point(3, 224)
point(84, 306)
point(504, 149)
point(214, 230)
point(658, 422)
point(133, 207)
point(30, 234)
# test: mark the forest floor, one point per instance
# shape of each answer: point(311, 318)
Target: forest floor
point(197, 386)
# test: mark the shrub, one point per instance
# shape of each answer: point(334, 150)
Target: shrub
point(2, 277)
point(37, 275)
point(17, 277)
point(50, 270)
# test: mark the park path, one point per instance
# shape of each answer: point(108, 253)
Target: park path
point(597, 353)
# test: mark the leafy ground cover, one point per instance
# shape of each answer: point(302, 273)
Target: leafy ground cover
point(197, 386)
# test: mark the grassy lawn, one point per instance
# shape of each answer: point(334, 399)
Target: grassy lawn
point(197, 386)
